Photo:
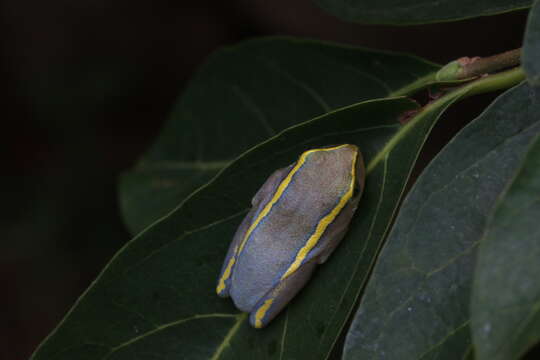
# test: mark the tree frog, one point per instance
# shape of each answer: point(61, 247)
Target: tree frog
point(297, 219)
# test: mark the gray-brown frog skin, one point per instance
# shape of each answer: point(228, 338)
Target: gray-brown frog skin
point(298, 218)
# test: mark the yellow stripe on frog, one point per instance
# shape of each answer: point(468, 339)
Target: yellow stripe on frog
point(259, 315)
point(323, 224)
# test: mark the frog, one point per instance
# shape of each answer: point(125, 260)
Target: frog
point(297, 219)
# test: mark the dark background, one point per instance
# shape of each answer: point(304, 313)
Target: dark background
point(87, 85)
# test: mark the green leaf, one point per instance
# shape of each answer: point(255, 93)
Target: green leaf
point(505, 305)
point(401, 12)
point(246, 93)
point(150, 192)
point(156, 298)
point(531, 46)
point(416, 304)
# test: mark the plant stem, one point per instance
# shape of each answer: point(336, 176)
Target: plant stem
point(502, 80)
point(480, 66)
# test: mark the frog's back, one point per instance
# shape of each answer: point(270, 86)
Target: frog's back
point(292, 216)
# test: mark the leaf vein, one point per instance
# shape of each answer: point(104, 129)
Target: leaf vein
point(169, 325)
point(254, 108)
point(185, 234)
point(284, 333)
point(227, 339)
point(300, 84)
point(447, 336)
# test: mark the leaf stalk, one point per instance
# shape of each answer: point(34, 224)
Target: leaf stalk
point(479, 66)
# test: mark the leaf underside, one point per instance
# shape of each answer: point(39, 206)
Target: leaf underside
point(403, 12)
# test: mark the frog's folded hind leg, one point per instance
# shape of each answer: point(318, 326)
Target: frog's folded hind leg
point(335, 232)
point(270, 305)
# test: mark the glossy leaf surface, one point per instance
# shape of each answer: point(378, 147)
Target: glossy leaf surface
point(156, 298)
point(247, 93)
point(416, 304)
point(506, 295)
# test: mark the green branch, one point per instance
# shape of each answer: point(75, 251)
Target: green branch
point(467, 68)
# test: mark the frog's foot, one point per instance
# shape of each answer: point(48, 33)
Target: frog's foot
point(278, 297)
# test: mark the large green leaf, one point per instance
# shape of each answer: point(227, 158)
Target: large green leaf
point(401, 12)
point(243, 95)
point(156, 298)
point(416, 304)
point(531, 46)
point(505, 306)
